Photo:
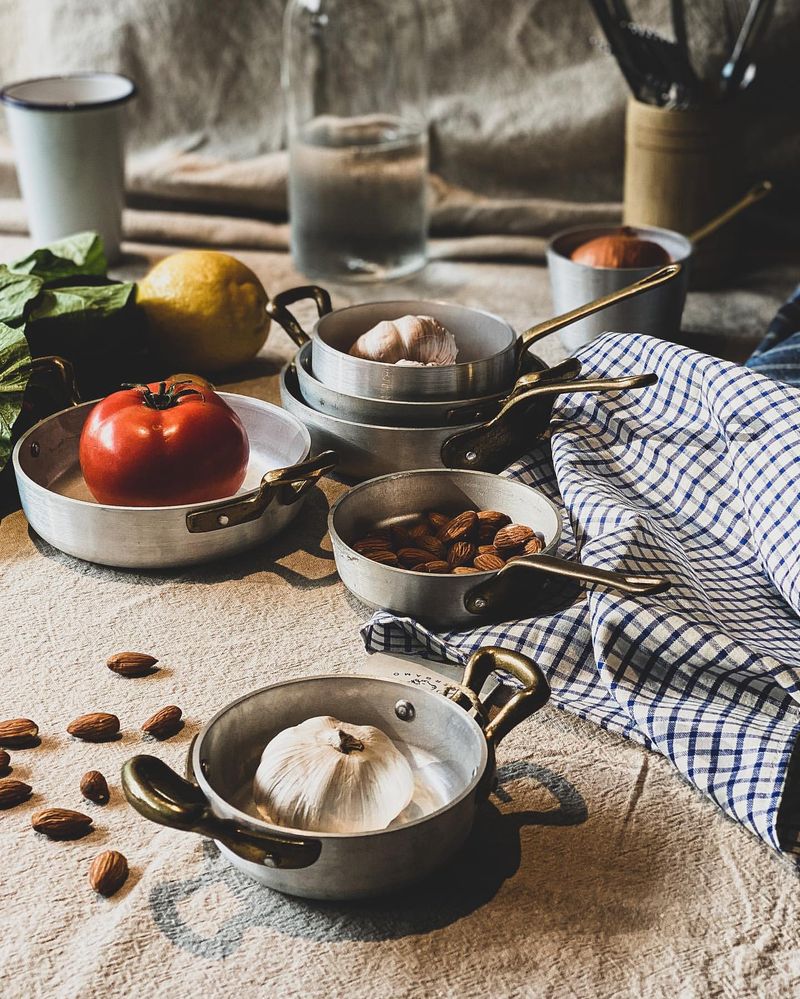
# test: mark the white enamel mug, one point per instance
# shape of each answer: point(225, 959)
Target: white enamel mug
point(67, 133)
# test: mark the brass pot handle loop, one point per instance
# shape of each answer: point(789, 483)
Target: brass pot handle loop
point(534, 694)
point(65, 375)
point(277, 309)
point(162, 796)
point(282, 485)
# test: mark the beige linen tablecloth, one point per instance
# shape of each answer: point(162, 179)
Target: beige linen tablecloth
point(596, 871)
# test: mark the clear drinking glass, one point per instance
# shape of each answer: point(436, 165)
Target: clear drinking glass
point(354, 79)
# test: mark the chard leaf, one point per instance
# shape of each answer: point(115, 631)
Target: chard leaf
point(17, 291)
point(85, 302)
point(15, 368)
point(81, 254)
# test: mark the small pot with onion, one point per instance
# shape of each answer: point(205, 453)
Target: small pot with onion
point(341, 787)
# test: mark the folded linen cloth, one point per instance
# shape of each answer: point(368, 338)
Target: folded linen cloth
point(778, 354)
point(696, 479)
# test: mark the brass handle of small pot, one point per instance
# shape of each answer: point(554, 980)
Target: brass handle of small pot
point(489, 597)
point(755, 194)
point(277, 309)
point(286, 485)
point(534, 694)
point(659, 277)
point(494, 445)
point(65, 373)
point(162, 796)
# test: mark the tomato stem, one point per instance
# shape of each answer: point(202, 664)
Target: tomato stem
point(167, 396)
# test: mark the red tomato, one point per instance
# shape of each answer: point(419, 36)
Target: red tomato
point(163, 444)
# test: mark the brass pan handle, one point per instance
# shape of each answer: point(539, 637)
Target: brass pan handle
point(659, 277)
point(286, 485)
point(277, 309)
point(534, 694)
point(160, 795)
point(755, 194)
point(492, 446)
point(489, 598)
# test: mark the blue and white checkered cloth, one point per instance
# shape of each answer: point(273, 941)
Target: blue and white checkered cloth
point(778, 354)
point(697, 479)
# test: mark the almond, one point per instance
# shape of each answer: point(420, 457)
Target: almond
point(18, 732)
point(364, 546)
point(459, 527)
point(379, 534)
point(487, 550)
point(463, 570)
point(432, 545)
point(131, 664)
point(417, 531)
point(94, 787)
point(164, 723)
point(436, 566)
point(12, 792)
point(488, 563)
point(5, 763)
point(97, 726)
point(409, 558)
point(532, 547)
point(510, 538)
point(489, 523)
point(400, 537)
point(462, 553)
point(108, 872)
point(437, 520)
point(62, 823)
point(384, 556)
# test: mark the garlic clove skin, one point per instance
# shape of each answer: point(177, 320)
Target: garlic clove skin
point(417, 340)
point(324, 775)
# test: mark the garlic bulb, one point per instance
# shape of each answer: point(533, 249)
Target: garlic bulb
point(324, 775)
point(418, 340)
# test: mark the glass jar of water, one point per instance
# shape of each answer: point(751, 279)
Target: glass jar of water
point(354, 78)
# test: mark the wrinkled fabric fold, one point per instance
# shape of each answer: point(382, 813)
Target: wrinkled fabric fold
point(692, 479)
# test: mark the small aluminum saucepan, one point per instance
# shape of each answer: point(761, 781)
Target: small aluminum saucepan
point(396, 412)
point(60, 508)
point(450, 601)
point(451, 752)
point(490, 354)
point(365, 450)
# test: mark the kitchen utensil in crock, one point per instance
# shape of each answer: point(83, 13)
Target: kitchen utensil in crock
point(61, 510)
point(365, 451)
point(446, 600)
point(450, 751)
point(491, 355)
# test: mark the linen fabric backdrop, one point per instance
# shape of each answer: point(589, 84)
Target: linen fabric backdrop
point(526, 109)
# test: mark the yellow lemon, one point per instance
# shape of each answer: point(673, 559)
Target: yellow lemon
point(205, 310)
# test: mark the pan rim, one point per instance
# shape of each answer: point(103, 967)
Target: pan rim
point(466, 580)
point(183, 508)
point(249, 819)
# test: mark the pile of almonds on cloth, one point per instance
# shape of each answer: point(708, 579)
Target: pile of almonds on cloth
point(109, 869)
point(469, 542)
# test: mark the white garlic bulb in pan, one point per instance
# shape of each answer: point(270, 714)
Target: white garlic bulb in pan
point(324, 775)
point(414, 340)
